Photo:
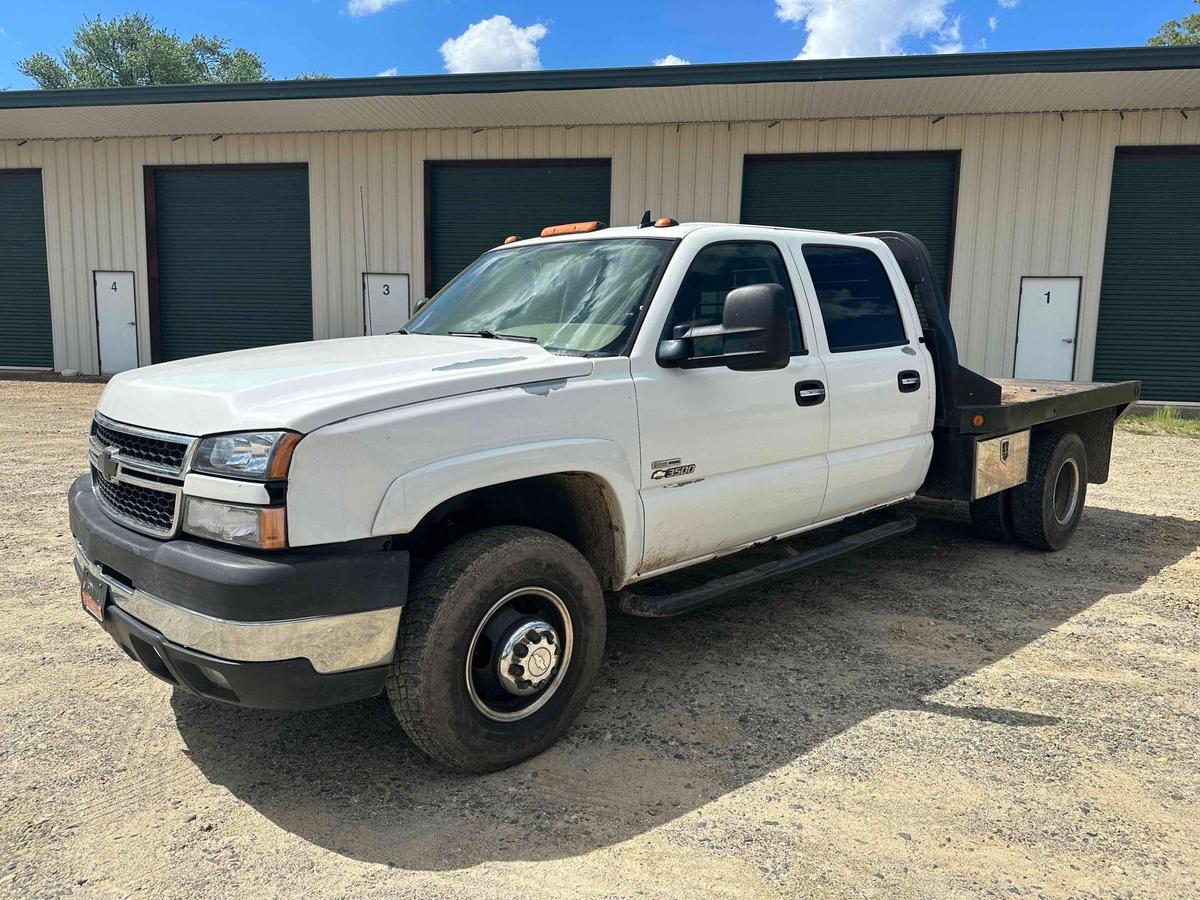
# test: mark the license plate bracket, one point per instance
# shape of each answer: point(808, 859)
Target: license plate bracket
point(93, 594)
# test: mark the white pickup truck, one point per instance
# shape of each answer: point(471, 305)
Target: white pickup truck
point(449, 513)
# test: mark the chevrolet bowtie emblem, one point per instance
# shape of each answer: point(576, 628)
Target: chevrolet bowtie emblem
point(106, 464)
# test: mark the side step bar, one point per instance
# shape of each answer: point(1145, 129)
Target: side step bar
point(664, 605)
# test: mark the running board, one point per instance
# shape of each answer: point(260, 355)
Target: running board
point(662, 606)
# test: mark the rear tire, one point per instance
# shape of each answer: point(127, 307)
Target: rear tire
point(992, 516)
point(1046, 509)
point(500, 642)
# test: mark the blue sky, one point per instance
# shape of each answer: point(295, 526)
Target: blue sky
point(369, 37)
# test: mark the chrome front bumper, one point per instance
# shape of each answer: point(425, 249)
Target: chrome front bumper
point(336, 643)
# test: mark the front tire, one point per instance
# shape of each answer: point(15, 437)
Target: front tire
point(500, 643)
point(1046, 509)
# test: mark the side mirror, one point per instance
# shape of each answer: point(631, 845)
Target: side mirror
point(754, 327)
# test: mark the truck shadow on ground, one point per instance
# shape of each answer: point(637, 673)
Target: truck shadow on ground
point(687, 710)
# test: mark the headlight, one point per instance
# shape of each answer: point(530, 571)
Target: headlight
point(261, 455)
point(263, 527)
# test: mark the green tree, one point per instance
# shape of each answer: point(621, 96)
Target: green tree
point(1178, 32)
point(131, 51)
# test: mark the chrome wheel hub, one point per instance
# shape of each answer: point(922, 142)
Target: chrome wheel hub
point(1066, 491)
point(519, 654)
point(528, 658)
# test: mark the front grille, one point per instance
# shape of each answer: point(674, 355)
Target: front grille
point(159, 451)
point(152, 509)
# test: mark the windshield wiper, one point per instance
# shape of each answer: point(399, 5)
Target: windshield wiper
point(495, 335)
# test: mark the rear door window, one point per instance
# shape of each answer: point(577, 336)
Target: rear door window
point(856, 298)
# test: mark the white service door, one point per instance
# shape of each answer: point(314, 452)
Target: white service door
point(116, 321)
point(1046, 323)
point(385, 303)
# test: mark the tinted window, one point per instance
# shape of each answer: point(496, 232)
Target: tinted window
point(856, 298)
point(717, 270)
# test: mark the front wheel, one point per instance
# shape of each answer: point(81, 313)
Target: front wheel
point(500, 643)
point(1046, 509)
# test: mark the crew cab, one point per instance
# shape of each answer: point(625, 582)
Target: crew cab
point(448, 514)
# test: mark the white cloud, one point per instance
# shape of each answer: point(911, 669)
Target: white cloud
point(369, 7)
point(386, 73)
point(951, 35)
point(672, 60)
point(1009, 4)
point(993, 22)
point(494, 45)
point(838, 28)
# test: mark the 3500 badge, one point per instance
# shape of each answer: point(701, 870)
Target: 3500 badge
point(669, 468)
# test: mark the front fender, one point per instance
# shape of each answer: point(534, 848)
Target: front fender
point(412, 495)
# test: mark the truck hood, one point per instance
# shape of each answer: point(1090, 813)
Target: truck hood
point(305, 386)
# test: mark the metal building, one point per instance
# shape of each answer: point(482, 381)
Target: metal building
point(1059, 193)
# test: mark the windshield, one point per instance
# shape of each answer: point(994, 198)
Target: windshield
point(572, 296)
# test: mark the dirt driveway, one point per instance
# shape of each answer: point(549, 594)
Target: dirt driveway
point(936, 716)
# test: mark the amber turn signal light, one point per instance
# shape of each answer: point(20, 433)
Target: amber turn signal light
point(272, 528)
point(281, 459)
point(977, 421)
point(571, 228)
point(511, 239)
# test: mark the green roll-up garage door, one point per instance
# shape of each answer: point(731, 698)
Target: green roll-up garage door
point(232, 248)
point(1149, 325)
point(911, 192)
point(473, 206)
point(25, 336)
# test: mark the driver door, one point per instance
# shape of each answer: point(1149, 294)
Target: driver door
point(729, 458)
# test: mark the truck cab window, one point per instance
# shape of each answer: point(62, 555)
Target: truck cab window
point(856, 298)
point(717, 270)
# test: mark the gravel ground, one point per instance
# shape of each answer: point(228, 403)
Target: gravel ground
point(935, 716)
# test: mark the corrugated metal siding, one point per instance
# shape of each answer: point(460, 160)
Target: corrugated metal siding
point(233, 251)
point(1149, 326)
point(1033, 200)
point(25, 335)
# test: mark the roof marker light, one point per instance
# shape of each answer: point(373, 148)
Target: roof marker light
point(664, 222)
point(571, 228)
point(511, 239)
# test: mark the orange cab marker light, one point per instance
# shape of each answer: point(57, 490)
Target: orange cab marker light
point(571, 228)
point(282, 460)
point(511, 239)
point(977, 421)
point(664, 222)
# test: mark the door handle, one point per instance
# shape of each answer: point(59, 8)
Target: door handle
point(908, 381)
point(810, 393)
point(1068, 340)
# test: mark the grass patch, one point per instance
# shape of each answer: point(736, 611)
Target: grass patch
point(1164, 420)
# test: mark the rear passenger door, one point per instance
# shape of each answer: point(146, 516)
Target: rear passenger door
point(879, 382)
